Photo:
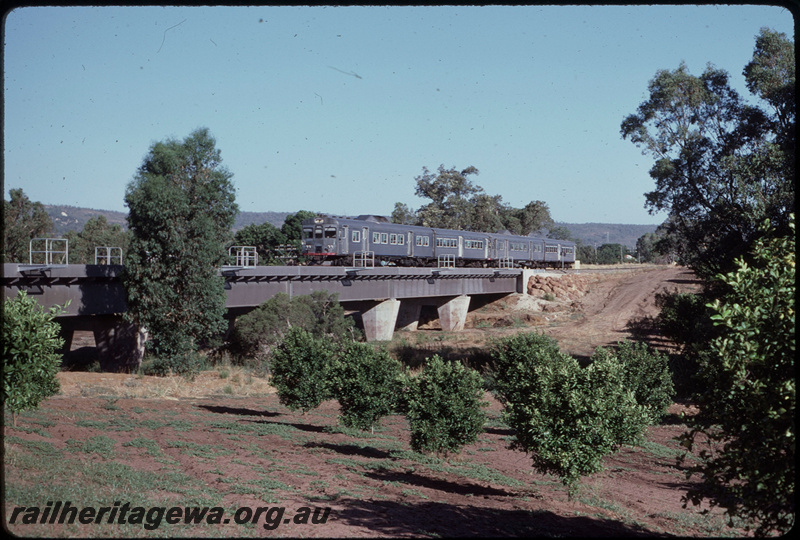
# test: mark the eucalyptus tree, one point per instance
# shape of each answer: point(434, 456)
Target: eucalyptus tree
point(722, 165)
point(181, 211)
point(23, 220)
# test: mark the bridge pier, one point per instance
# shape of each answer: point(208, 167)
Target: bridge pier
point(453, 313)
point(120, 344)
point(379, 320)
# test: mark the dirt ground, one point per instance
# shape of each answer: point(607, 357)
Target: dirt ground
point(373, 484)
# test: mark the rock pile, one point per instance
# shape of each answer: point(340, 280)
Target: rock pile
point(565, 288)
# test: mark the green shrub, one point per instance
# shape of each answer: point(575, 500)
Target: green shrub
point(300, 370)
point(445, 407)
point(366, 383)
point(30, 353)
point(566, 417)
point(646, 373)
point(256, 333)
point(748, 399)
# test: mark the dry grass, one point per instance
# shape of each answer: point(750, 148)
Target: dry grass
point(232, 381)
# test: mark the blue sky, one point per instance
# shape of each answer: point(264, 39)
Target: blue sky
point(338, 109)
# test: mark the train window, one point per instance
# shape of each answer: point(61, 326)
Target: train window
point(393, 239)
point(446, 242)
point(308, 233)
point(376, 238)
point(473, 244)
point(356, 236)
point(423, 241)
point(330, 232)
point(384, 238)
point(537, 248)
point(551, 249)
point(401, 240)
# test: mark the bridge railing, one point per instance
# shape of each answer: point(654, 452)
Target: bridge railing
point(107, 255)
point(446, 261)
point(48, 254)
point(245, 256)
point(364, 259)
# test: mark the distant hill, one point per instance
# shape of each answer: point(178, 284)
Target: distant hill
point(72, 218)
point(608, 233)
point(67, 218)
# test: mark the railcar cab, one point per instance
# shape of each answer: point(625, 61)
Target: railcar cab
point(320, 237)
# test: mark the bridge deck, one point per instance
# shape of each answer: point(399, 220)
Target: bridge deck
point(97, 289)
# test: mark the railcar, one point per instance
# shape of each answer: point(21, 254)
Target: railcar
point(345, 241)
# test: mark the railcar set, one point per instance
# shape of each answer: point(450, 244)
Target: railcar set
point(369, 239)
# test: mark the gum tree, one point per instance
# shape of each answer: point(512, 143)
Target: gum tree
point(722, 165)
point(181, 210)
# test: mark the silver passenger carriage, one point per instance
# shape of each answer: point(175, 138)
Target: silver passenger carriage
point(341, 241)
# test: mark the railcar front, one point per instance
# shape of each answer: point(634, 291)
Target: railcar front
point(321, 239)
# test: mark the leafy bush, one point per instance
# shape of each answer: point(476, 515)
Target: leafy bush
point(258, 332)
point(30, 353)
point(444, 407)
point(300, 370)
point(366, 383)
point(748, 398)
point(646, 373)
point(566, 417)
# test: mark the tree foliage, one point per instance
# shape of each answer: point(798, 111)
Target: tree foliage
point(256, 333)
point(566, 417)
point(23, 220)
point(97, 232)
point(265, 237)
point(444, 408)
point(646, 373)
point(747, 402)
point(31, 356)
point(722, 165)
point(300, 370)
point(181, 210)
point(458, 203)
point(365, 382)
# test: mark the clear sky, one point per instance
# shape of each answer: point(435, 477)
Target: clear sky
point(337, 109)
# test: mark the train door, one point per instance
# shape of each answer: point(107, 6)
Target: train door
point(344, 240)
point(409, 241)
point(486, 242)
point(460, 247)
point(365, 238)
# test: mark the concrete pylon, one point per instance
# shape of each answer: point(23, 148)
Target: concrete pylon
point(408, 317)
point(379, 320)
point(453, 313)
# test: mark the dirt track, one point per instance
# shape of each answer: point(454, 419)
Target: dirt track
point(615, 300)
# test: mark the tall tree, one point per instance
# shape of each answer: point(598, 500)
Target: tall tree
point(458, 203)
point(450, 191)
point(23, 220)
point(181, 210)
point(722, 165)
